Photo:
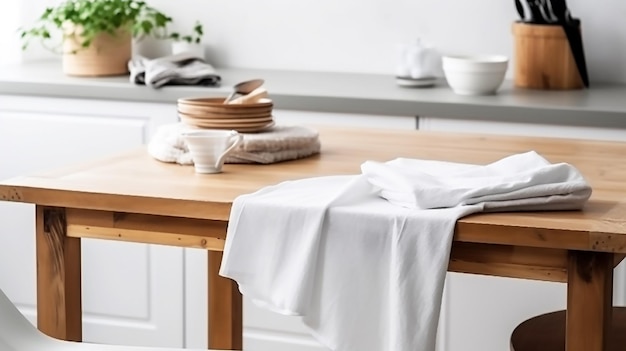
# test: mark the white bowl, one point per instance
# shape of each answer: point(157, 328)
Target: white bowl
point(475, 75)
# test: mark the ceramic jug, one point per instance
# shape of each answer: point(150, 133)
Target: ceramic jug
point(418, 60)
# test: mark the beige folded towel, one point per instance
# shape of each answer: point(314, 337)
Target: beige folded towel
point(281, 143)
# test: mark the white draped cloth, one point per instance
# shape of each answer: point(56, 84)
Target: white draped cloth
point(362, 262)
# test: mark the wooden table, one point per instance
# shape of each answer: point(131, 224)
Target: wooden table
point(132, 197)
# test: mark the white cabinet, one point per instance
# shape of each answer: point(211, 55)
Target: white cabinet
point(345, 119)
point(480, 312)
point(511, 128)
point(136, 298)
point(263, 330)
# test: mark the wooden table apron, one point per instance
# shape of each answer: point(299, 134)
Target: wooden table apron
point(111, 199)
point(58, 234)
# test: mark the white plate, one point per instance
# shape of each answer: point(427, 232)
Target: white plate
point(420, 82)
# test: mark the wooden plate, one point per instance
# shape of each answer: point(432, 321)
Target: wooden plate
point(219, 102)
point(225, 109)
point(242, 129)
point(232, 121)
point(212, 115)
point(237, 124)
point(227, 126)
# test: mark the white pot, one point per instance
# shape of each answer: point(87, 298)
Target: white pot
point(183, 46)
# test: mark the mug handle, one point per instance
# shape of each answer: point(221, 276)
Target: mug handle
point(235, 140)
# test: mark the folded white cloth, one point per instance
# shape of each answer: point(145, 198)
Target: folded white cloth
point(281, 143)
point(181, 69)
point(364, 273)
point(519, 182)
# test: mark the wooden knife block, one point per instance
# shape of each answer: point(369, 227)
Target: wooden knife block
point(543, 59)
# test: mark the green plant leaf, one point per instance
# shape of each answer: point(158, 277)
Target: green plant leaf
point(194, 37)
point(97, 16)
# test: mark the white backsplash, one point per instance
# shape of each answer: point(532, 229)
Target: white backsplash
point(362, 35)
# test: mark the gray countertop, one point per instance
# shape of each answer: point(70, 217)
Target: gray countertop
point(604, 105)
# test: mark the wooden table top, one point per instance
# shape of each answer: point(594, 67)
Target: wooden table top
point(134, 182)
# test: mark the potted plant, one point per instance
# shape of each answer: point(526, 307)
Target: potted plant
point(190, 42)
point(96, 35)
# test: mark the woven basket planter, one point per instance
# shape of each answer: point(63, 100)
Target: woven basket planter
point(107, 55)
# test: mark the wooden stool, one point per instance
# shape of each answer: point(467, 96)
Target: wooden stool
point(547, 332)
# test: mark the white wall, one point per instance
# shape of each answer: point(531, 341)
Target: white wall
point(361, 35)
point(9, 41)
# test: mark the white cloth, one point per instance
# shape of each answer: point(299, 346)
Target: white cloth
point(281, 143)
point(180, 69)
point(364, 273)
point(518, 182)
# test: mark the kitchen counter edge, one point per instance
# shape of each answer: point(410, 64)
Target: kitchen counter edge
point(603, 105)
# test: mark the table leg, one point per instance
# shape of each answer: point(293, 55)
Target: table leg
point(225, 308)
point(58, 276)
point(589, 300)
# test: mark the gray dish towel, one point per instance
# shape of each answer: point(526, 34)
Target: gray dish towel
point(180, 69)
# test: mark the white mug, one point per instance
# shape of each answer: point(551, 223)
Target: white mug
point(209, 148)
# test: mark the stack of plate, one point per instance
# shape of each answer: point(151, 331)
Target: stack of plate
point(212, 113)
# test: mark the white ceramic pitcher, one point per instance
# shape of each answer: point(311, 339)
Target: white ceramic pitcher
point(210, 147)
point(418, 60)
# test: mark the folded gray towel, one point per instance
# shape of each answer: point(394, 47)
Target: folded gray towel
point(180, 69)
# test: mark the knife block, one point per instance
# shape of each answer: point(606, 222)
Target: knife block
point(543, 58)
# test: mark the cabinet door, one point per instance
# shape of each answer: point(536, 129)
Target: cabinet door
point(135, 298)
point(263, 330)
point(344, 119)
point(480, 311)
point(523, 129)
